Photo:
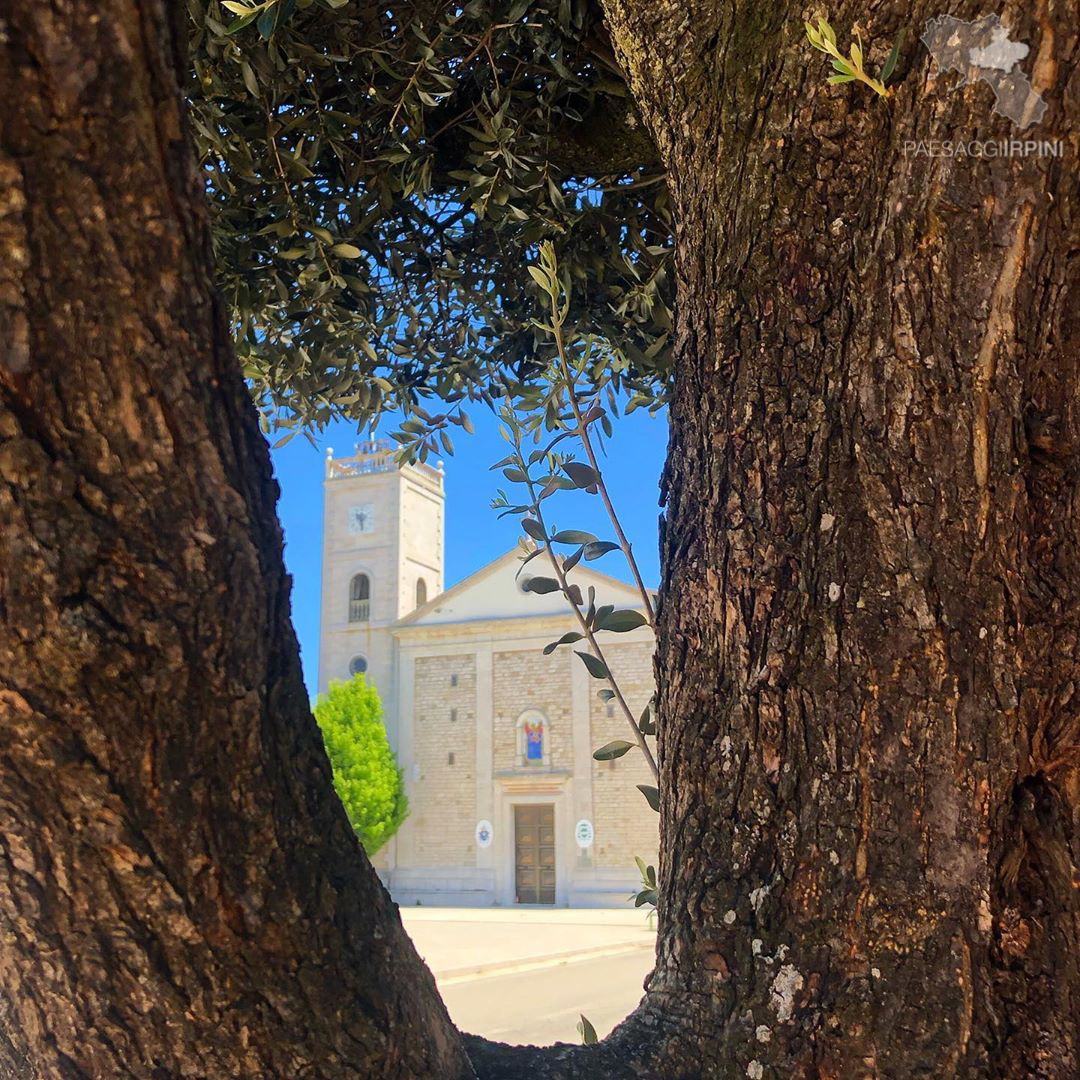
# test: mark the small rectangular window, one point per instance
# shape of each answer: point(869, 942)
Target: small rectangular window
point(450, 759)
point(453, 715)
point(453, 680)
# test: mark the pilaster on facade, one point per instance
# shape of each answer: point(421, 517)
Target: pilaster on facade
point(583, 685)
point(485, 747)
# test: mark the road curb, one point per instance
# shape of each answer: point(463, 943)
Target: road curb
point(537, 963)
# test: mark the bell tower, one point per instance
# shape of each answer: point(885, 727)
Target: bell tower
point(382, 558)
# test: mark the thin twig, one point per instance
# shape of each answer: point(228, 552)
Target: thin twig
point(590, 636)
point(583, 432)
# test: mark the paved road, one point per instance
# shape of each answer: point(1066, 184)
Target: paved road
point(542, 1006)
point(453, 941)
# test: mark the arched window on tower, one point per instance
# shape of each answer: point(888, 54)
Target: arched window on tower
point(359, 598)
point(532, 743)
point(421, 592)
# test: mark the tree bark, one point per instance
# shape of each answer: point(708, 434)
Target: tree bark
point(867, 653)
point(180, 892)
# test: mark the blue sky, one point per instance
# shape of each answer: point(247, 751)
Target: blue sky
point(474, 536)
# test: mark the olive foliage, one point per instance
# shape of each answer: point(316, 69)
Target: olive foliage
point(380, 176)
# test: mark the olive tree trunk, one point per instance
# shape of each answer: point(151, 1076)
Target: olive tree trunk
point(868, 655)
point(868, 645)
point(180, 892)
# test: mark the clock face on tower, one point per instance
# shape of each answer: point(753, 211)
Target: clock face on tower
point(362, 518)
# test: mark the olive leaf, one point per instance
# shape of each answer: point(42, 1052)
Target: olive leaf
point(572, 560)
point(646, 723)
point(600, 547)
point(621, 621)
point(587, 1032)
point(533, 528)
point(540, 585)
point(891, 59)
point(614, 749)
point(596, 667)
point(584, 476)
point(652, 795)
point(573, 536)
point(566, 639)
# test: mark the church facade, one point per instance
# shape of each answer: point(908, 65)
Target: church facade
point(506, 802)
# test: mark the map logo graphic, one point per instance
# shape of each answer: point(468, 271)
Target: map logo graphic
point(982, 49)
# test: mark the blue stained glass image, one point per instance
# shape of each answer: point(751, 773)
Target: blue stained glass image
point(534, 742)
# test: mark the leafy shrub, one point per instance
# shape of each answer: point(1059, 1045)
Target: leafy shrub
point(366, 774)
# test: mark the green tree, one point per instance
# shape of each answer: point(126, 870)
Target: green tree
point(366, 773)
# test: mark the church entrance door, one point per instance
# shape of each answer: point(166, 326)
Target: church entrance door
point(534, 853)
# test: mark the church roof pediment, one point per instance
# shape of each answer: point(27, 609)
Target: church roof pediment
point(494, 592)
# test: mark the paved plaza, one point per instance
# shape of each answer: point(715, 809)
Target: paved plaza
point(523, 975)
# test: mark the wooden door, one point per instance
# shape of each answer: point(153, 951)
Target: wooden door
point(534, 854)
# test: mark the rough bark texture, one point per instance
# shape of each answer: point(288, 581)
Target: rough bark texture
point(868, 648)
point(868, 652)
point(180, 892)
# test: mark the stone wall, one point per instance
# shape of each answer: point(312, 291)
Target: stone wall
point(528, 679)
point(625, 823)
point(438, 860)
point(443, 806)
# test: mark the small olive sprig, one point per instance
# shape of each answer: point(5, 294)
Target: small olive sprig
point(850, 68)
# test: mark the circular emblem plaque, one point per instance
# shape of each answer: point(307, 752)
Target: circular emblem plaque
point(484, 833)
point(584, 833)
